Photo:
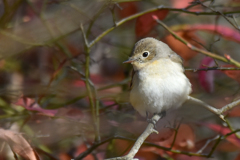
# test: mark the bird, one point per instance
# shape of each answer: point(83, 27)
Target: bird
point(158, 81)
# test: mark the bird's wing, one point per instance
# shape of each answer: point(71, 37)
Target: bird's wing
point(133, 72)
point(131, 83)
point(176, 58)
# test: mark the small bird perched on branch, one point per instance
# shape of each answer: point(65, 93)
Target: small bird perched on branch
point(158, 82)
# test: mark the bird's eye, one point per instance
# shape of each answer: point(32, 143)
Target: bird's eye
point(145, 54)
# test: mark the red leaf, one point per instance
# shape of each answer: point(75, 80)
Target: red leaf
point(83, 148)
point(238, 157)
point(145, 155)
point(145, 23)
point(235, 112)
point(206, 78)
point(184, 4)
point(18, 144)
point(236, 1)
point(30, 105)
point(234, 74)
point(96, 78)
point(184, 140)
point(78, 83)
point(225, 31)
point(128, 8)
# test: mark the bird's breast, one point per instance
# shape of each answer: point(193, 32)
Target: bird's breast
point(159, 87)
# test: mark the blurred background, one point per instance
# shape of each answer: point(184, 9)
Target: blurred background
point(64, 98)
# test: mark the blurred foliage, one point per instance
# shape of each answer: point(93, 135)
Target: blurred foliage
point(69, 98)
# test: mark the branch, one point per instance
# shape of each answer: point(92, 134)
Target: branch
point(207, 53)
point(207, 143)
point(96, 145)
point(184, 10)
point(229, 106)
point(231, 128)
point(219, 140)
point(211, 68)
point(220, 13)
point(218, 112)
point(149, 130)
point(94, 107)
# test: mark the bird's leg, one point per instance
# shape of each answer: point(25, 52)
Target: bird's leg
point(149, 120)
point(161, 114)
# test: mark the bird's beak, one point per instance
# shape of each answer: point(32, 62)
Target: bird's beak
point(130, 60)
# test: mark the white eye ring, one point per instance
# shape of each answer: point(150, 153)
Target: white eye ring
point(145, 54)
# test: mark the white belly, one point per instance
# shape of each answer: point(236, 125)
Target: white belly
point(154, 93)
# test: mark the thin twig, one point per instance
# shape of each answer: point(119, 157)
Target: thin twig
point(94, 107)
point(20, 39)
point(220, 13)
point(215, 146)
point(231, 128)
point(234, 19)
point(113, 14)
point(207, 106)
point(216, 111)
point(152, 10)
point(123, 82)
point(192, 47)
point(59, 45)
point(96, 145)
point(218, 138)
point(175, 135)
point(207, 143)
point(229, 106)
point(211, 68)
point(183, 10)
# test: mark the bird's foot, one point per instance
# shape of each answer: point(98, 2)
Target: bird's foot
point(149, 120)
point(154, 122)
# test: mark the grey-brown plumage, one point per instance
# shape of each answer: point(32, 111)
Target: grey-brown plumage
point(159, 82)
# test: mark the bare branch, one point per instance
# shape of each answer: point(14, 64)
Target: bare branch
point(229, 106)
point(218, 112)
point(91, 94)
point(207, 106)
point(149, 130)
point(207, 53)
point(220, 13)
point(207, 143)
point(84, 36)
point(184, 10)
point(211, 68)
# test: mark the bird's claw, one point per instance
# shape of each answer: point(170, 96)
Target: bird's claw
point(154, 122)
